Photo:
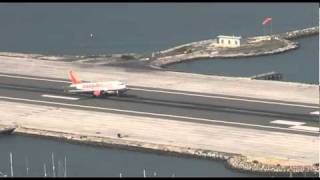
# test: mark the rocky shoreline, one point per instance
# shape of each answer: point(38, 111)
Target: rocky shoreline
point(242, 164)
point(206, 51)
point(251, 46)
point(233, 161)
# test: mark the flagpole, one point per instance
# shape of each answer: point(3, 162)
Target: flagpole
point(271, 27)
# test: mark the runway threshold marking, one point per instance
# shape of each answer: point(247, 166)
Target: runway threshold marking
point(59, 97)
point(294, 123)
point(170, 92)
point(161, 115)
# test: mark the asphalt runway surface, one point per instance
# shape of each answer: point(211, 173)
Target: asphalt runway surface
point(168, 104)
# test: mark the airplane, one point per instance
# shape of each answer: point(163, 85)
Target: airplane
point(96, 89)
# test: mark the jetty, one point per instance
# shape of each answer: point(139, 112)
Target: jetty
point(268, 76)
point(299, 33)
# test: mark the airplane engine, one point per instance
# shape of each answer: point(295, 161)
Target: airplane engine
point(96, 93)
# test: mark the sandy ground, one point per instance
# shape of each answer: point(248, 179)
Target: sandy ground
point(266, 146)
point(271, 90)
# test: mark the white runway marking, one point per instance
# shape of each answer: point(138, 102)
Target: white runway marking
point(39, 79)
point(171, 92)
point(308, 128)
point(315, 113)
point(59, 97)
point(292, 123)
point(156, 114)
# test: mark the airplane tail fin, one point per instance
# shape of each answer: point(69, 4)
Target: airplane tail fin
point(73, 78)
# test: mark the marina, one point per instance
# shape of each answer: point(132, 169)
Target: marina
point(27, 161)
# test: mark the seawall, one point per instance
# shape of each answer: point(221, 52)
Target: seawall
point(233, 161)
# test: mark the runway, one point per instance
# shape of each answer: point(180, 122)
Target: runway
point(176, 105)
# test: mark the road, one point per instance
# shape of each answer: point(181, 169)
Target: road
point(176, 105)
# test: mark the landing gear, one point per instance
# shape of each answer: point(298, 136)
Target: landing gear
point(119, 93)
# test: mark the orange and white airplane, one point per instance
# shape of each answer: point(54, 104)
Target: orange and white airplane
point(96, 89)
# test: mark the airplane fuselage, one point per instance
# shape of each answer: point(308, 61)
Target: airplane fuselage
point(108, 87)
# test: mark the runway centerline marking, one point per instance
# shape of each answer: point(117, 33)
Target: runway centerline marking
point(292, 123)
point(59, 97)
point(181, 93)
point(161, 115)
point(315, 113)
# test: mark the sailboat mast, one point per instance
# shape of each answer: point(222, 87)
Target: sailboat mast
point(11, 168)
point(45, 170)
point(53, 168)
point(27, 166)
point(65, 166)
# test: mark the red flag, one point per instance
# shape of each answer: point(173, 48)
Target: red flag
point(266, 21)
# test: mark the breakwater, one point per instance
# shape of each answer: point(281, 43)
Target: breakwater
point(243, 164)
point(250, 46)
point(299, 33)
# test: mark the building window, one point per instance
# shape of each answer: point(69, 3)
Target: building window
point(235, 42)
point(221, 41)
point(229, 42)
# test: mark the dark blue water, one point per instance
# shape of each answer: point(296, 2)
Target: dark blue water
point(63, 28)
point(84, 160)
point(301, 65)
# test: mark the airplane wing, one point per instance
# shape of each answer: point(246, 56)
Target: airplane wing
point(85, 90)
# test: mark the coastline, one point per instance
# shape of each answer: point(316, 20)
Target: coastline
point(252, 46)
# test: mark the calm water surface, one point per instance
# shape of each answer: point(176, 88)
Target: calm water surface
point(84, 160)
point(301, 65)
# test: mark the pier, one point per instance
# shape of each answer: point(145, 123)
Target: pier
point(268, 76)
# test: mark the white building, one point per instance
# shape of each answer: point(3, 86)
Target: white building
point(229, 41)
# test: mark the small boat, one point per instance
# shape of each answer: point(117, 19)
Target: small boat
point(6, 130)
